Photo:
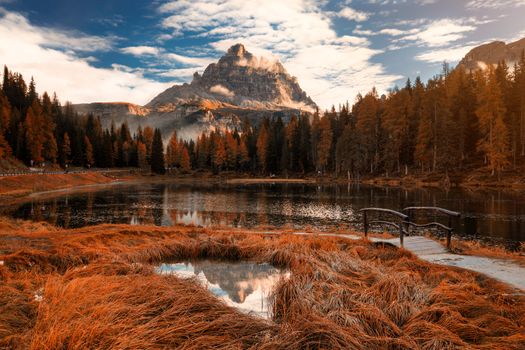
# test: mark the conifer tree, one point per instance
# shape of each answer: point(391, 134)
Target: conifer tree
point(185, 160)
point(88, 153)
point(262, 146)
point(141, 155)
point(65, 150)
point(172, 152)
point(243, 154)
point(157, 153)
point(219, 152)
point(325, 143)
point(494, 134)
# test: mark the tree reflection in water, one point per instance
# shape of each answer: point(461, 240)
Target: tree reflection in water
point(485, 213)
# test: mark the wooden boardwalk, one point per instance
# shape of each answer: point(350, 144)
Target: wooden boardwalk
point(429, 250)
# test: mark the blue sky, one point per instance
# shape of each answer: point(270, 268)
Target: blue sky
point(117, 50)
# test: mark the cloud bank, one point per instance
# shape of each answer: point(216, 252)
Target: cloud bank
point(330, 67)
point(54, 58)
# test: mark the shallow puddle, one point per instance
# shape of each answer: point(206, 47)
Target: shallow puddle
point(244, 285)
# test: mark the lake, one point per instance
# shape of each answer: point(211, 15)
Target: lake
point(493, 215)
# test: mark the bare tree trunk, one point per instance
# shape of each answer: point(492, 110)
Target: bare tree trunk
point(522, 129)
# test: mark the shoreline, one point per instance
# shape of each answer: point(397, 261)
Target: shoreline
point(26, 186)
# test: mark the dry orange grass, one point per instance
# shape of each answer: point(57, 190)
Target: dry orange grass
point(96, 288)
point(491, 251)
point(17, 186)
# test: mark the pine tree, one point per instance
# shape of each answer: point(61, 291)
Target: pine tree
point(141, 155)
point(494, 135)
point(396, 122)
point(34, 138)
point(219, 152)
point(173, 156)
point(305, 156)
point(185, 160)
point(88, 153)
point(243, 154)
point(293, 135)
point(148, 141)
point(5, 117)
point(499, 152)
point(325, 143)
point(368, 125)
point(157, 153)
point(31, 93)
point(65, 150)
point(262, 146)
point(232, 148)
point(107, 150)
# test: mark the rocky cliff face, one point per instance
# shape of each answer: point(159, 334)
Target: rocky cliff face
point(111, 108)
point(238, 86)
point(492, 53)
point(242, 80)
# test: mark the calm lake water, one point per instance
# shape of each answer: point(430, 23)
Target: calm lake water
point(486, 214)
point(243, 285)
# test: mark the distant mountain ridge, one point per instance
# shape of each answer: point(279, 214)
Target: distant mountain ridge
point(238, 86)
point(492, 53)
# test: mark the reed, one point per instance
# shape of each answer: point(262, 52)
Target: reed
point(96, 288)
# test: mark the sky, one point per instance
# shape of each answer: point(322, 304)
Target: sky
point(130, 51)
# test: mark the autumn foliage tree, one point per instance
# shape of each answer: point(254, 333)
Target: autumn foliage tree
point(494, 143)
point(457, 121)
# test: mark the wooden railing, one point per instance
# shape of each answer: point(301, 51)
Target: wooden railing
point(392, 213)
point(405, 220)
point(451, 215)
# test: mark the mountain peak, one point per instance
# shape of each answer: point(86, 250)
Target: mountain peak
point(237, 50)
point(493, 53)
point(243, 80)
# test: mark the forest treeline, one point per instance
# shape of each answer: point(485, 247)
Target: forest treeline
point(458, 120)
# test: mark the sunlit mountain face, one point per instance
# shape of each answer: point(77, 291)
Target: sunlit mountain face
point(336, 49)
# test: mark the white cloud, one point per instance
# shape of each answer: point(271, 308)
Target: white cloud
point(141, 50)
point(170, 58)
point(221, 90)
point(494, 4)
point(353, 15)
point(193, 61)
point(452, 54)
point(331, 68)
point(34, 51)
point(392, 32)
point(441, 32)
point(55, 38)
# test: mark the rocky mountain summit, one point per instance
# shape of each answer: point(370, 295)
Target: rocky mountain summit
point(242, 80)
point(238, 86)
point(492, 53)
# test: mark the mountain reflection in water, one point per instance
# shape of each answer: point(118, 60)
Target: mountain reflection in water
point(485, 214)
point(244, 285)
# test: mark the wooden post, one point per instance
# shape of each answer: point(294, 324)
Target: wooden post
point(365, 221)
point(408, 221)
point(449, 232)
point(401, 234)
